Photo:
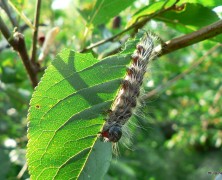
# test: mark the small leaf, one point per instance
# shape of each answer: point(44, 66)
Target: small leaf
point(104, 10)
point(67, 112)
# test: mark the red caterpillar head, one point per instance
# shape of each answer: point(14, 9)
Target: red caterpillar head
point(113, 134)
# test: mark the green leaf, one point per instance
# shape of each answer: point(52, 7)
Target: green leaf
point(104, 10)
point(67, 111)
point(191, 18)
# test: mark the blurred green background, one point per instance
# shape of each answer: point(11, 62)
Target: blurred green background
point(179, 133)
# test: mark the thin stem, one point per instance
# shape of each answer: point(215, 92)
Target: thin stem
point(104, 41)
point(22, 171)
point(17, 41)
point(35, 33)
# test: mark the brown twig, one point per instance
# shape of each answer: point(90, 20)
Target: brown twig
point(135, 25)
point(17, 41)
point(35, 33)
point(180, 76)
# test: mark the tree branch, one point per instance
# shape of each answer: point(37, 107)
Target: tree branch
point(18, 43)
point(192, 38)
point(35, 33)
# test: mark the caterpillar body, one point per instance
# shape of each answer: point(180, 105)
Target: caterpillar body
point(127, 97)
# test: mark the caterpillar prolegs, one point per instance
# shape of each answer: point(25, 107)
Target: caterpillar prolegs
point(127, 97)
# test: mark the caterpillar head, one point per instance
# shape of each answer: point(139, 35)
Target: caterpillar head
point(113, 134)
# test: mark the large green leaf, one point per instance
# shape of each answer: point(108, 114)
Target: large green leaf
point(104, 10)
point(193, 17)
point(67, 111)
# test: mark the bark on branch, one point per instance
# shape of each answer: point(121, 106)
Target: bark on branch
point(206, 32)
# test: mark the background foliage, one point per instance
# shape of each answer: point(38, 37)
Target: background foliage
point(179, 134)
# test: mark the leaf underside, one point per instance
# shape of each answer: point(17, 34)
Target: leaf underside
point(67, 112)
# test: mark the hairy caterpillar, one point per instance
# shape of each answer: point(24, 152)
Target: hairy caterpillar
point(127, 97)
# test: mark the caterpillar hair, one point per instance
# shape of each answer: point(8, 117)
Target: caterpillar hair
point(127, 97)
